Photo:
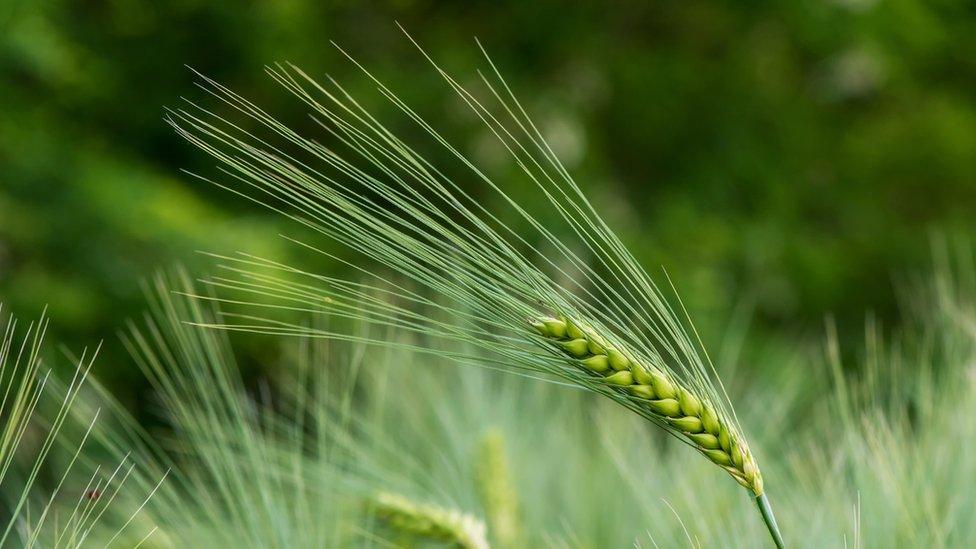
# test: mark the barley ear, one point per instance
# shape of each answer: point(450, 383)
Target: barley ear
point(399, 211)
point(677, 406)
point(428, 521)
point(672, 403)
point(495, 488)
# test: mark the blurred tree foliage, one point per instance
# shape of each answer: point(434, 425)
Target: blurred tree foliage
point(796, 153)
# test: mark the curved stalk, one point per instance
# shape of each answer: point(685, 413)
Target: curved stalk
point(770, 520)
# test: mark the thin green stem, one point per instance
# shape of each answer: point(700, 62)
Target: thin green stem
point(770, 520)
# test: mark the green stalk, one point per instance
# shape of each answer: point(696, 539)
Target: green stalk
point(770, 520)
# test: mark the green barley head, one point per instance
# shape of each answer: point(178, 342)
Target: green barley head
point(498, 494)
point(429, 522)
point(563, 299)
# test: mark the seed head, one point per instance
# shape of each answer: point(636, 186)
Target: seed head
point(430, 522)
point(498, 494)
point(677, 406)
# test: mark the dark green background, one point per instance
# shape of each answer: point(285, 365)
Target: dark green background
point(795, 156)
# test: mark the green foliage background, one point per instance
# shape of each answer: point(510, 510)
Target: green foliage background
point(791, 156)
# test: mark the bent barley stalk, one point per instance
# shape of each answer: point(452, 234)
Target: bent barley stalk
point(429, 521)
point(466, 277)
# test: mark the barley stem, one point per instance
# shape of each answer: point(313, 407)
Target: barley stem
point(770, 520)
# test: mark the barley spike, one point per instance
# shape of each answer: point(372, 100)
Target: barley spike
point(676, 406)
point(508, 287)
point(498, 495)
point(429, 521)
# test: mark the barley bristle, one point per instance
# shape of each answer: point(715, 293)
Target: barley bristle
point(430, 522)
point(676, 405)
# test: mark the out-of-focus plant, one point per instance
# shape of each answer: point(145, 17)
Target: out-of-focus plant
point(35, 412)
